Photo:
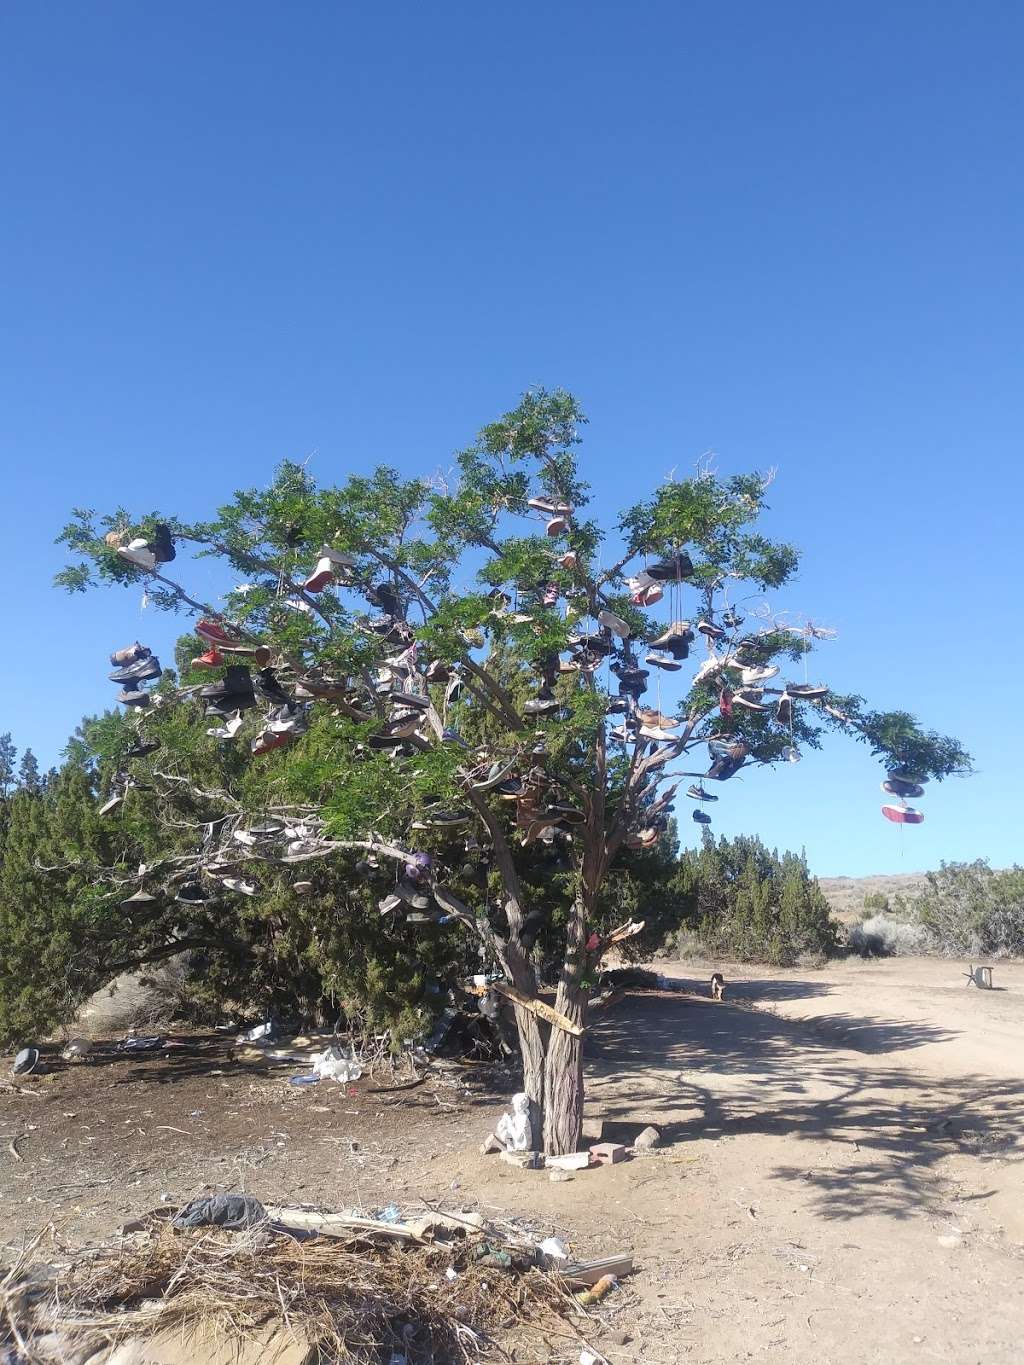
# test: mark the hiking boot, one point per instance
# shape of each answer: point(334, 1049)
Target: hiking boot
point(213, 658)
point(665, 661)
point(806, 691)
point(137, 552)
point(144, 670)
point(162, 544)
point(130, 654)
point(697, 793)
point(701, 817)
point(134, 696)
point(615, 624)
point(672, 569)
point(903, 815)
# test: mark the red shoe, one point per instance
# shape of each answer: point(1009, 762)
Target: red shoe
point(214, 632)
point(266, 741)
point(903, 815)
point(211, 659)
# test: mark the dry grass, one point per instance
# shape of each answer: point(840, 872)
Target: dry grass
point(845, 895)
point(353, 1301)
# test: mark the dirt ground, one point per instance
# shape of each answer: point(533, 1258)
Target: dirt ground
point(841, 1179)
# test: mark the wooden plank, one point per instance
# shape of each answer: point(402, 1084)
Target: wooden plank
point(537, 1007)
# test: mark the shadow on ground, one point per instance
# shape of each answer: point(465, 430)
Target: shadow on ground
point(704, 1071)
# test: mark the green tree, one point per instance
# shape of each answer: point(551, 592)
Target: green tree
point(29, 777)
point(501, 635)
point(8, 756)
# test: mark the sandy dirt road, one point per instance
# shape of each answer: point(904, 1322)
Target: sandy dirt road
point(842, 1179)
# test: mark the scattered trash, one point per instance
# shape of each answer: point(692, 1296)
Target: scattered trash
point(306, 1078)
point(333, 1065)
point(598, 1291)
point(77, 1047)
point(554, 1246)
point(232, 1211)
point(515, 1129)
point(265, 1031)
point(26, 1061)
point(391, 1214)
point(558, 1176)
point(571, 1161)
point(144, 1043)
point(980, 977)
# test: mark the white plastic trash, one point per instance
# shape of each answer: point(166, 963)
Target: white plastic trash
point(332, 1065)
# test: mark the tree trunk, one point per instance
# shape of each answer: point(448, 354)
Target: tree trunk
point(563, 1069)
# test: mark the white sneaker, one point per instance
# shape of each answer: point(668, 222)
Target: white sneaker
point(749, 676)
point(655, 732)
point(709, 668)
point(138, 552)
point(615, 624)
point(236, 884)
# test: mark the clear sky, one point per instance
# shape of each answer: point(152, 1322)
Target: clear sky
point(790, 234)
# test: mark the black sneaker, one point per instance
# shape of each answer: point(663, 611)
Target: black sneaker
point(143, 670)
point(437, 672)
point(134, 696)
point(237, 678)
point(541, 706)
point(672, 569)
point(192, 893)
point(617, 706)
point(442, 819)
point(267, 685)
point(894, 786)
point(162, 544)
point(785, 709)
point(142, 747)
point(710, 630)
point(701, 817)
point(806, 691)
point(130, 654)
point(385, 596)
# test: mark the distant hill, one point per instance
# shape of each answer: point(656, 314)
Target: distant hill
point(846, 894)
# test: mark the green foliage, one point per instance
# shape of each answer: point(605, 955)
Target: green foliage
point(969, 909)
point(753, 906)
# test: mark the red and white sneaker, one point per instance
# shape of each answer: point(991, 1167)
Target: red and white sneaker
point(211, 659)
point(903, 815)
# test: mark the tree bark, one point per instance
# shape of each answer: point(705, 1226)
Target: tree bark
point(563, 1069)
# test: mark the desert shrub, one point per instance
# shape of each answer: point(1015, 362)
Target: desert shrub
point(753, 905)
point(968, 909)
point(884, 936)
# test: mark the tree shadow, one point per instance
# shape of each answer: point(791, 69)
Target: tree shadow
point(705, 1071)
point(755, 991)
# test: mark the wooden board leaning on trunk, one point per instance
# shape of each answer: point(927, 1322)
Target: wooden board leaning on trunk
point(537, 1007)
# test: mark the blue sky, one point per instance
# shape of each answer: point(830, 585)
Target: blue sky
point(787, 234)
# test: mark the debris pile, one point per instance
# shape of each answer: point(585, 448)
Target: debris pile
point(228, 1279)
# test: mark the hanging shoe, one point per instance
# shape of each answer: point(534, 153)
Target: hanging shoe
point(751, 676)
point(710, 630)
point(701, 817)
point(895, 787)
point(229, 729)
point(732, 619)
point(550, 507)
point(130, 654)
point(710, 668)
point(656, 733)
point(790, 754)
point(725, 700)
point(569, 560)
point(750, 699)
point(665, 661)
point(697, 793)
point(162, 544)
point(784, 709)
point(614, 623)
point(137, 552)
point(905, 775)
point(212, 658)
point(330, 565)
point(903, 815)
point(133, 695)
point(672, 569)
point(556, 526)
point(214, 633)
point(806, 691)
point(142, 747)
point(143, 670)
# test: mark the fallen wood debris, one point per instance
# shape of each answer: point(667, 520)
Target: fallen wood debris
point(306, 1286)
